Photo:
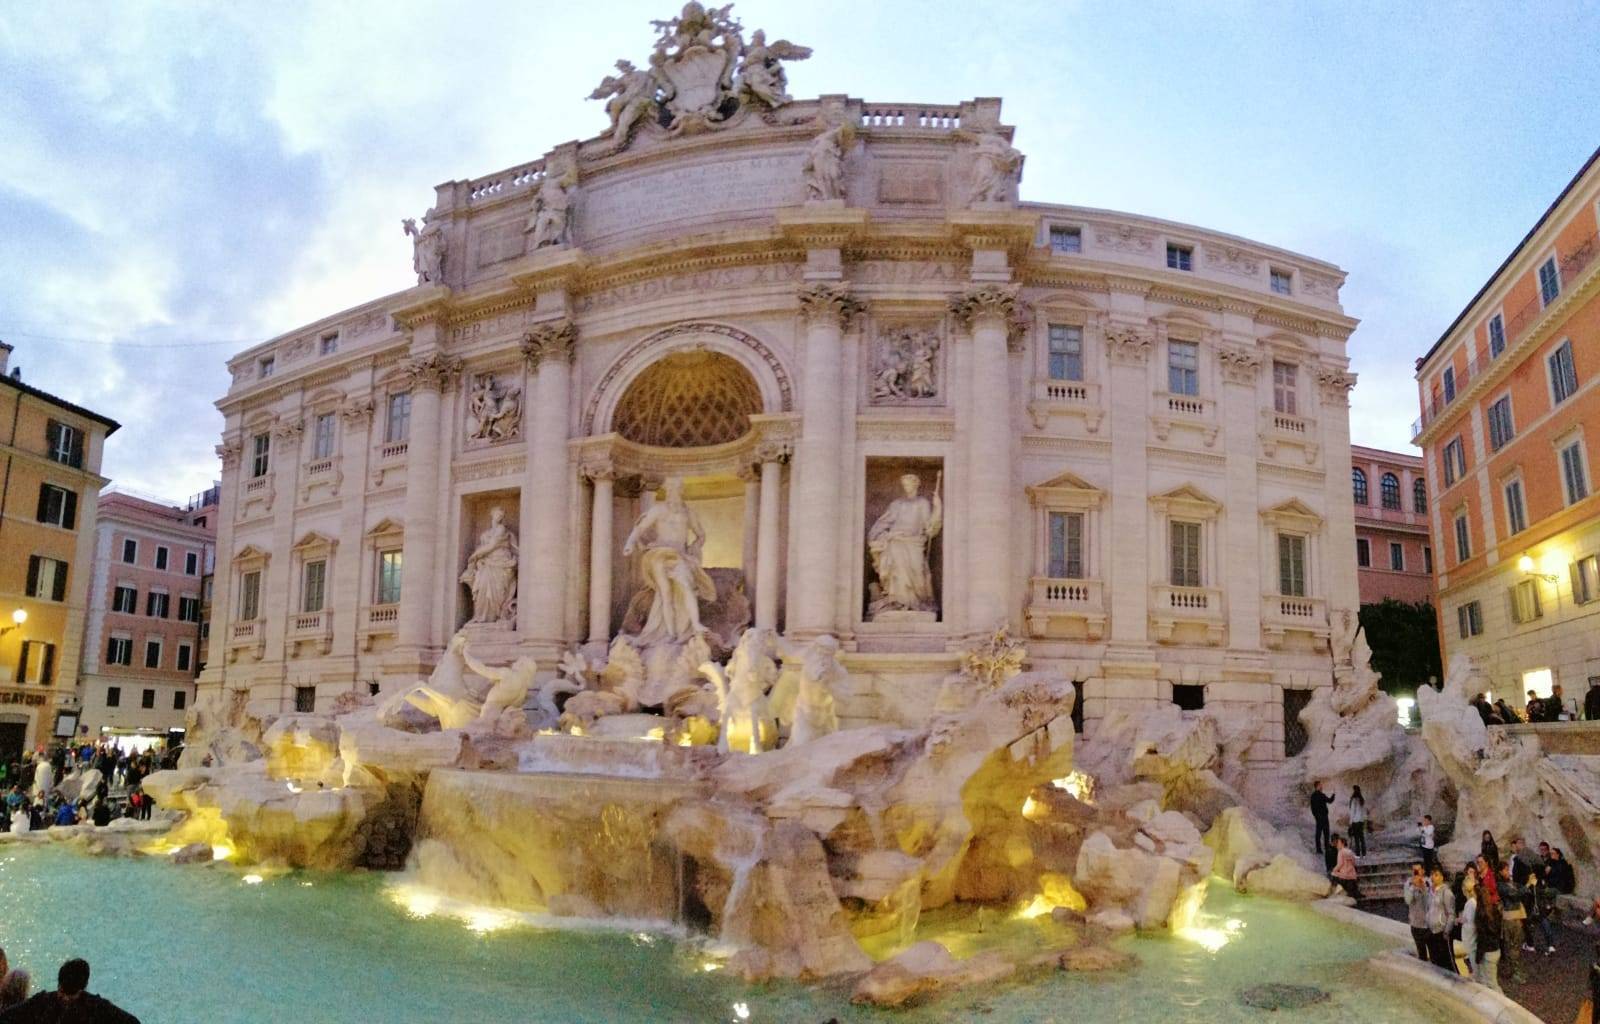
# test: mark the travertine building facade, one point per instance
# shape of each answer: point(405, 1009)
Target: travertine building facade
point(1137, 430)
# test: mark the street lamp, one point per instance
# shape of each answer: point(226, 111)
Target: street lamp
point(1526, 567)
point(18, 617)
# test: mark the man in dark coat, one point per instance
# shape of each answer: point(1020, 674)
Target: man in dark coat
point(1319, 813)
point(69, 1003)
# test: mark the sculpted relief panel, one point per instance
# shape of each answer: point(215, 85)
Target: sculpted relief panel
point(494, 410)
point(906, 369)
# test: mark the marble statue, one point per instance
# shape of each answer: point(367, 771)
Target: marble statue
point(427, 248)
point(823, 170)
point(496, 415)
point(761, 76)
point(669, 537)
point(549, 220)
point(629, 95)
point(820, 675)
point(694, 62)
point(908, 366)
point(898, 544)
point(511, 684)
point(996, 167)
point(744, 712)
point(44, 780)
point(444, 696)
point(491, 572)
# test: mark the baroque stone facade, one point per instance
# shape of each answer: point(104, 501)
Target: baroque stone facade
point(726, 289)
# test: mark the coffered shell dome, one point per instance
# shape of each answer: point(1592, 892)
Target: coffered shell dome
point(688, 400)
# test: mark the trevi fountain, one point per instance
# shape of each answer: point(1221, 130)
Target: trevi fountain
point(831, 584)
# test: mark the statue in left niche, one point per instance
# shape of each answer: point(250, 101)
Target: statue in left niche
point(669, 537)
point(427, 248)
point(549, 222)
point(491, 572)
point(496, 413)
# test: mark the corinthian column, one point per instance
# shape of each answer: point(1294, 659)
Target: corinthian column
point(826, 309)
point(771, 457)
point(986, 310)
point(429, 376)
point(542, 577)
point(602, 478)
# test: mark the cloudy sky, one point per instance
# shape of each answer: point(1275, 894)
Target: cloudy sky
point(180, 180)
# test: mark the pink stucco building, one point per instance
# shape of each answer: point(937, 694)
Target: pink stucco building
point(1394, 555)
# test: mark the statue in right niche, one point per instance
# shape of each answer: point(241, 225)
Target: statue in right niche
point(898, 545)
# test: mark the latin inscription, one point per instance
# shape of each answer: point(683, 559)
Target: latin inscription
point(689, 193)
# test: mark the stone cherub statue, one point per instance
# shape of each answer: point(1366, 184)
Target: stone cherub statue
point(549, 222)
point(743, 709)
point(898, 544)
point(761, 76)
point(629, 95)
point(427, 248)
point(823, 170)
point(491, 572)
point(996, 167)
point(671, 536)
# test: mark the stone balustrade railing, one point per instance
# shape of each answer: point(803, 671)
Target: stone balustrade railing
point(924, 116)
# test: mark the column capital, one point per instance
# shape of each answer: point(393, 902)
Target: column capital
point(288, 430)
point(1128, 344)
point(433, 372)
point(750, 473)
point(229, 452)
point(774, 451)
point(595, 470)
point(553, 339)
point(1335, 384)
point(984, 300)
point(1240, 365)
point(824, 300)
point(357, 411)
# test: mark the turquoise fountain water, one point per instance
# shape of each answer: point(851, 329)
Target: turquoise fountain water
point(219, 945)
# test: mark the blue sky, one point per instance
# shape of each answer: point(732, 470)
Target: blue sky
point(177, 175)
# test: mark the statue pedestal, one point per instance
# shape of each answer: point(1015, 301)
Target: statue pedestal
point(904, 615)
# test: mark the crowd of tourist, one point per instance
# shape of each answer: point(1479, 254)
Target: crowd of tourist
point(1554, 708)
point(70, 1003)
point(113, 786)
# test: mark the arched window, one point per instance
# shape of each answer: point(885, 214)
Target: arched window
point(1389, 491)
point(1358, 485)
point(1419, 495)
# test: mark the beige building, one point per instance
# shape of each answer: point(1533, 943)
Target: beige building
point(1137, 429)
point(141, 649)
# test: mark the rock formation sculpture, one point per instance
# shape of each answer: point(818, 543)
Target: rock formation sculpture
point(491, 572)
point(898, 545)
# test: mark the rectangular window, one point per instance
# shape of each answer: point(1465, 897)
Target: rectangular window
point(322, 436)
point(119, 651)
point(1397, 556)
point(1469, 619)
point(1189, 696)
point(1573, 474)
point(1463, 539)
point(185, 657)
point(1363, 552)
point(130, 551)
point(389, 567)
point(260, 458)
point(397, 424)
point(125, 600)
point(113, 696)
point(152, 654)
point(305, 699)
point(1549, 281)
point(162, 554)
point(47, 578)
point(58, 507)
point(268, 364)
point(1066, 240)
point(1449, 384)
point(1294, 732)
point(250, 596)
point(1501, 429)
point(1180, 257)
point(188, 609)
point(191, 563)
point(1525, 601)
point(1066, 545)
point(1291, 565)
point(157, 605)
point(36, 663)
point(1563, 374)
point(1282, 281)
point(311, 586)
point(1516, 511)
point(1285, 378)
point(180, 700)
point(1585, 579)
point(1185, 554)
point(147, 699)
point(1183, 367)
point(329, 343)
point(1497, 335)
point(1066, 352)
point(63, 444)
point(1427, 559)
point(1455, 460)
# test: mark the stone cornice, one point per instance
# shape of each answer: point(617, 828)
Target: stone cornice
point(426, 304)
point(823, 225)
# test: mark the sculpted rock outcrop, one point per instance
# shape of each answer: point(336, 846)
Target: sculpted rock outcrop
point(1197, 760)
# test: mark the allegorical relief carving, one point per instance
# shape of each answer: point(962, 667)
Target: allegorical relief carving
point(494, 411)
point(427, 248)
point(906, 369)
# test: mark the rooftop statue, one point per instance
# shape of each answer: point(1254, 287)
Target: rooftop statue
point(549, 220)
point(629, 97)
point(823, 170)
point(427, 248)
point(761, 76)
point(996, 168)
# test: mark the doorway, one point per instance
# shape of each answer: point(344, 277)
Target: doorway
point(13, 740)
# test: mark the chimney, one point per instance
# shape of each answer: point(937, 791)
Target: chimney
point(5, 357)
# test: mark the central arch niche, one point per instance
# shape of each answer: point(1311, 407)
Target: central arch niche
point(688, 400)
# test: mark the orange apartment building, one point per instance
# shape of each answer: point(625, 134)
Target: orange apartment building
point(142, 643)
point(1511, 419)
point(1394, 552)
point(51, 450)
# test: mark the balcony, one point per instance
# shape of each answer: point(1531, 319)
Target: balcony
point(1282, 614)
point(379, 620)
point(1191, 411)
point(393, 451)
point(1067, 398)
point(312, 628)
point(1074, 609)
point(249, 636)
point(1282, 428)
point(1193, 613)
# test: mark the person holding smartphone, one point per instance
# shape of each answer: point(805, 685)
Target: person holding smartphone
point(1416, 896)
